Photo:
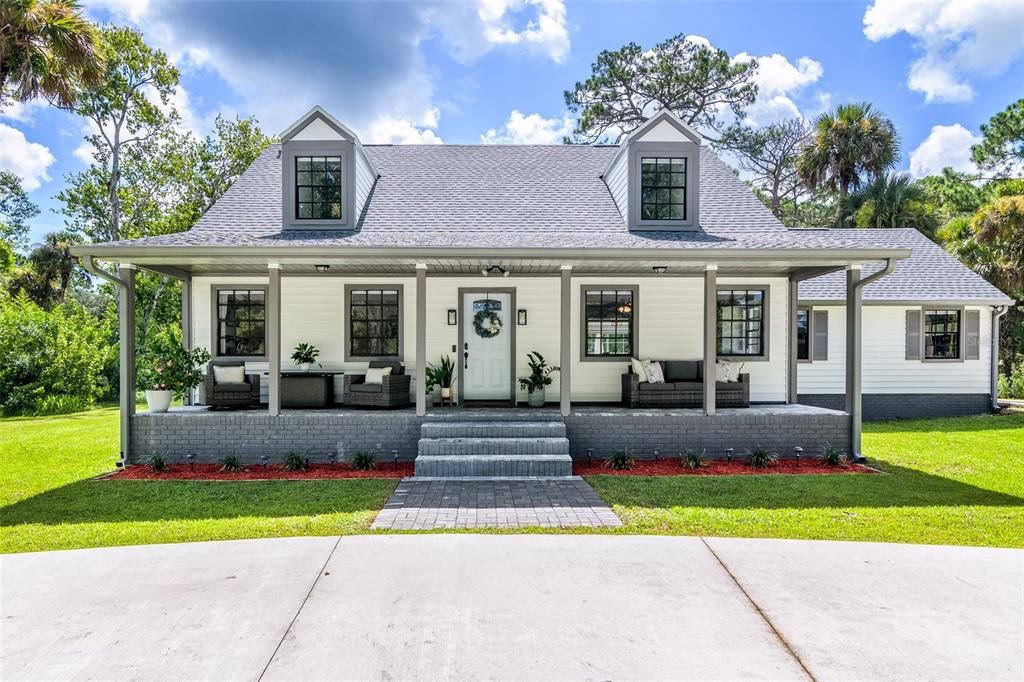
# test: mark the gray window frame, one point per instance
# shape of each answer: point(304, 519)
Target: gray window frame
point(766, 329)
point(672, 150)
point(810, 334)
point(347, 321)
point(343, 148)
point(962, 332)
point(634, 326)
point(215, 289)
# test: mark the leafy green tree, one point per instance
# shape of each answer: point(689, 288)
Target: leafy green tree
point(48, 273)
point(47, 49)
point(1002, 147)
point(891, 201)
point(16, 209)
point(849, 145)
point(627, 86)
point(954, 194)
point(769, 155)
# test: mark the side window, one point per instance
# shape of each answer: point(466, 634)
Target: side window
point(608, 320)
point(241, 322)
point(741, 318)
point(942, 334)
point(803, 334)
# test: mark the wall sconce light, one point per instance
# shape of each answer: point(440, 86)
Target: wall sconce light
point(521, 317)
point(322, 268)
point(453, 317)
point(660, 269)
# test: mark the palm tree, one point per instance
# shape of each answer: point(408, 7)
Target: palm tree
point(52, 261)
point(47, 49)
point(853, 141)
point(890, 201)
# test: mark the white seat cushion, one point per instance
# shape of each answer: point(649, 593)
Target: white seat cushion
point(375, 375)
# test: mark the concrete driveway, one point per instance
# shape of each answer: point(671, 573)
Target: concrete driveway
point(514, 607)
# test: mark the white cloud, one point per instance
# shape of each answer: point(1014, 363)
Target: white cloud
point(531, 129)
point(779, 81)
point(28, 160)
point(473, 29)
point(391, 130)
point(945, 146)
point(23, 112)
point(959, 40)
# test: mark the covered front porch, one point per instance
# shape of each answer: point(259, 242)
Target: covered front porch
point(678, 313)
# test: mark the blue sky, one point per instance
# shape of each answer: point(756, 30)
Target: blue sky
point(494, 71)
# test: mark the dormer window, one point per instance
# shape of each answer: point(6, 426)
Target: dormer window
point(662, 188)
point(318, 187)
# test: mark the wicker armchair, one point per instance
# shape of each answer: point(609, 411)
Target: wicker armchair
point(231, 395)
point(393, 391)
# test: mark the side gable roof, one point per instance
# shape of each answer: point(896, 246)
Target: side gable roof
point(318, 112)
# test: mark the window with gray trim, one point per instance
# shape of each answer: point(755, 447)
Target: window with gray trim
point(608, 322)
point(374, 322)
point(318, 187)
point(803, 334)
point(662, 188)
point(241, 322)
point(942, 334)
point(741, 322)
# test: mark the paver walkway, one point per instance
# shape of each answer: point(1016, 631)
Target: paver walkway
point(419, 504)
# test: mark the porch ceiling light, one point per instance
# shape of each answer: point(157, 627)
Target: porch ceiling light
point(494, 270)
point(322, 268)
point(660, 269)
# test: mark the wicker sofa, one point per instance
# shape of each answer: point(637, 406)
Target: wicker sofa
point(224, 395)
point(683, 387)
point(393, 391)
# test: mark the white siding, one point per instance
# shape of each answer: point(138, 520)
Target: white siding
point(664, 132)
point(617, 179)
point(317, 130)
point(670, 321)
point(365, 178)
point(885, 367)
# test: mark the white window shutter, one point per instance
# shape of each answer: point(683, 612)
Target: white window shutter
point(913, 335)
point(819, 342)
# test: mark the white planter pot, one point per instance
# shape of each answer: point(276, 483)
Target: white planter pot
point(159, 401)
point(446, 393)
point(536, 398)
point(305, 366)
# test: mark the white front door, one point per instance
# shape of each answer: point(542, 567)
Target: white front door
point(487, 327)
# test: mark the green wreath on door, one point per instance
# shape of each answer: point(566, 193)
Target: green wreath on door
point(487, 324)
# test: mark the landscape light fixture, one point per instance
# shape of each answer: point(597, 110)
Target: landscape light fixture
point(660, 269)
point(263, 460)
point(494, 270)
point(728, 455)
point(323, 267)
point(192, 462)
point(798, 451)
point(332, 458)
point(394, 456)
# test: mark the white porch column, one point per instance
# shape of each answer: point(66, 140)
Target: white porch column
point(710, 335)
point(791, 333)
point(853, 358)
point(565, 342)
point(421, 339)
point(186, 321)
point(126, 316)
point(274, 339)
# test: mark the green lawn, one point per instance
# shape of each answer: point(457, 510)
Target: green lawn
point(951, 481)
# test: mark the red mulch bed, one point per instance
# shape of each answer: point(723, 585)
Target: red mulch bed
point(256, 472)
point(672, 467)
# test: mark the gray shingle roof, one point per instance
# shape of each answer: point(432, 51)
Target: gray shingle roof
point(930, 274)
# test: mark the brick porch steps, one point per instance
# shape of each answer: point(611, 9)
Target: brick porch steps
point(493, 449)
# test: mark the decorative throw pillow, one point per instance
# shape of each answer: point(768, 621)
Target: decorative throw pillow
point(375, 375)
point(231, 374)
point(638, 369)
point(726, 371)
point(654, 373)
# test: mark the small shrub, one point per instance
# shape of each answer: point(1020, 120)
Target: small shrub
point(691, 459)
point(832, 456)
point(363, 461)
point(293, 461)
point(621, 459)
point(231, 463)
point(761, 458)
point(157, 464)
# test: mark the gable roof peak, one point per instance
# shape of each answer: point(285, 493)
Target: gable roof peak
point(318, 112)
point(666, 115)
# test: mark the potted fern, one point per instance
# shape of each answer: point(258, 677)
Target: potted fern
point(539, 379)
point(305, 356)
point(441, 375)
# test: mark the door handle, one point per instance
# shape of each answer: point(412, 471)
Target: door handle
point(466, 355)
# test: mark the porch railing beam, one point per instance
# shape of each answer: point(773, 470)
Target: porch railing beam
point(565, 342)
point(421, 339)
point(274, 339)
point(710, 336)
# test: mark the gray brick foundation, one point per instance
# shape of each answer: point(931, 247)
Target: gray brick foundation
point(879, 406)
point(316, 434)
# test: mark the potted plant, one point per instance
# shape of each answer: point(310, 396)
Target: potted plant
point(305, 356)
point(441, 375)
point(172, 372)
point(539, 379)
